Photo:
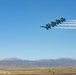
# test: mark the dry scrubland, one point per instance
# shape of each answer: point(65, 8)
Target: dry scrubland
point(38, 71)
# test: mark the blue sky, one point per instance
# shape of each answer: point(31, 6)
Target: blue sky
point(22, 37)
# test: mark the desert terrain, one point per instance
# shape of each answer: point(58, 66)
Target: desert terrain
point(54, 71)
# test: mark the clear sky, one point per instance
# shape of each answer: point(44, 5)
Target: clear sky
point(22, 37)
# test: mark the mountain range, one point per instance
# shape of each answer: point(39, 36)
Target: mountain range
point(61, 62)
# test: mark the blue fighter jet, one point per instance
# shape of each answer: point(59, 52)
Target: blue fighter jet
point(63, 19)
point(58, 21)
point(53, 23)
point(48, 26)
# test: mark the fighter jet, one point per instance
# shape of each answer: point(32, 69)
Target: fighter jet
point(63, 19)
point(53, 23)
point(58, 21)
point(48, 26)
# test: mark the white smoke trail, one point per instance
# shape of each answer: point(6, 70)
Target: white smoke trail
point(66, 27)
point(71, 24)
point(72, 20)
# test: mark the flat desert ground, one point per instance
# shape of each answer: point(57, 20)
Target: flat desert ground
point(57, 71)
point(42, 74)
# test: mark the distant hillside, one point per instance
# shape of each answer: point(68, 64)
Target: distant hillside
point(61, 62)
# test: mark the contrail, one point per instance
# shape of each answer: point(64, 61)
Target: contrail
point(72, 20)
point(71, 24)
point(66, 27)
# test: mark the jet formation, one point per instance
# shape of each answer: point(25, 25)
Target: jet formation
point(54, 23)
